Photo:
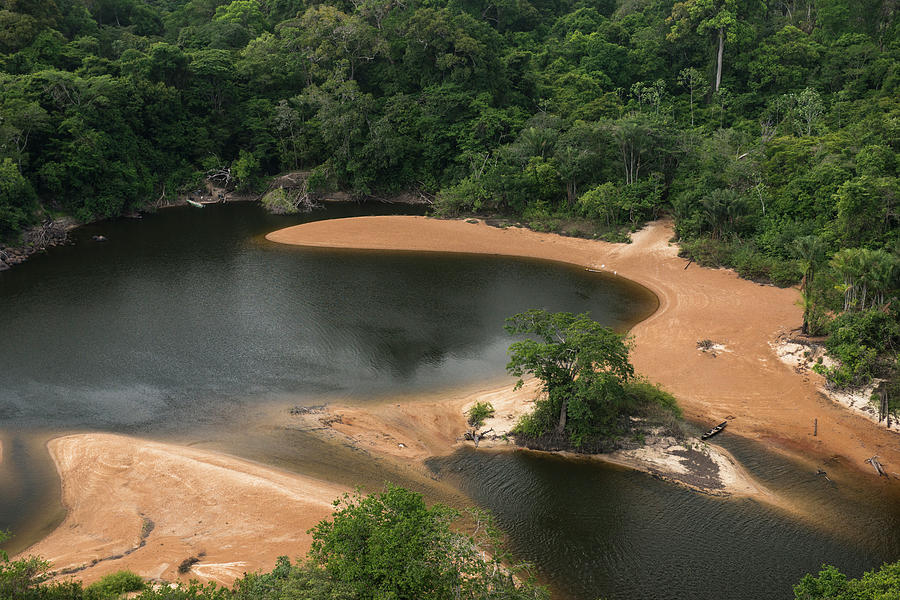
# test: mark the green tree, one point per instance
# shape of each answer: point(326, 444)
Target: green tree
point(17, 200)
point(705, 16)
point(811, 251)
point(582, 366)
point(831, 584)
point(391, 545)
point(693, 80)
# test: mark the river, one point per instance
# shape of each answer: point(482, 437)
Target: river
point(187, 323)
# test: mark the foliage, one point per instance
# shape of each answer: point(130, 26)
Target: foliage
point(588, 388)
point(754, 125)
point(387, 545)
point(831, 584)
point(581, 365)
point(858, 340)
point(115, 584)
point(479, 412)
point(391, 545)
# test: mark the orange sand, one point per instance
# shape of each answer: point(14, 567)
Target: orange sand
point(242, 515)
point(745, 380)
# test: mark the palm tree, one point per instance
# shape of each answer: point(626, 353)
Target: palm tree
point(810, 250)
point(847, 264)
point(883, 271)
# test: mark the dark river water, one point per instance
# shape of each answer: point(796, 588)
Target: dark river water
point(186, 324)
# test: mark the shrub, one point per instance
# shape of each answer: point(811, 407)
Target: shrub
point(478, 413)
point(856, 340)
point(114, 584)
point(644, 396)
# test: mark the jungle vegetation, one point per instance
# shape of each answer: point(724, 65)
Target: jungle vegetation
point(387, 546)
point(768, 130)
point(589, 393)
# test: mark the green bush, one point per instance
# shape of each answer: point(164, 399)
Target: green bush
point(115, 584)
point(831, 584)
point(478, 413)
point(643, 395)
point(856, 340)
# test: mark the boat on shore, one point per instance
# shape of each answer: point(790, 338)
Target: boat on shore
point(194, 203)
point(714, 430)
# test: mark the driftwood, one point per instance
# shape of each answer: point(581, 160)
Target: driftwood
point(220, 175)
point(875, 463)
point(688, 264)
point(476, 436)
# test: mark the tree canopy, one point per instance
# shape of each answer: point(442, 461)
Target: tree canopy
point(389, 546)
point(582, 367)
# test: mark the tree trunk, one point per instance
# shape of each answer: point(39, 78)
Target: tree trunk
point(561, 427)
point(719, 58)
point(692, 105)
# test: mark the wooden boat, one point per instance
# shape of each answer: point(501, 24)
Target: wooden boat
point(194, 203)
point(714, 430)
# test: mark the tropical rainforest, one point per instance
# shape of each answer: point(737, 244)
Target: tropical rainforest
point(768, 130)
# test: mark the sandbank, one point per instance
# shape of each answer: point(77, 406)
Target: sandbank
point(147, 506)
point(412, 429)
point(744, 381)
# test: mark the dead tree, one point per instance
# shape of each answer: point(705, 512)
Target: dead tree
point(220, 175)
point(476, 436)
point(875, 463)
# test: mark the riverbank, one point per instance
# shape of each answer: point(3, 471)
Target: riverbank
point(37, 239)
point(745, 381)
point(412, 429)
point(149, 507)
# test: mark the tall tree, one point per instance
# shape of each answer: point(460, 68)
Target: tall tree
point(581, 365)
point(718, 17)
point(811, 251)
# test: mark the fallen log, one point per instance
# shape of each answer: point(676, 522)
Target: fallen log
point(476, 436)
point(875, 463)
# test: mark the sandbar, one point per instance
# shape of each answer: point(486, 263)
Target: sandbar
point(147, 506)
point(744, 381)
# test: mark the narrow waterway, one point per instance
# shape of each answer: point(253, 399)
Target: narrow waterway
point(187, 323)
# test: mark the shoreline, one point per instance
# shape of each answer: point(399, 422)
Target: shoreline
point(411, 430)
point(147, 506)
point(196, 500)
point(743, 380)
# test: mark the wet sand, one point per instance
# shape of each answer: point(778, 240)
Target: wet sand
point(744, 381)
point(145, 506)
point(238, 516)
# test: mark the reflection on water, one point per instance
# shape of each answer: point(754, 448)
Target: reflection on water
point(180, 315)
point(186, 324)
point(183, 322)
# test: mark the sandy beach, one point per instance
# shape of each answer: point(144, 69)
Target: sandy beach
point(743, 380)
point(145, 506)
point(410, 430)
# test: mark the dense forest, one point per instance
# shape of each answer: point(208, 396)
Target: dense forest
point(769, 131)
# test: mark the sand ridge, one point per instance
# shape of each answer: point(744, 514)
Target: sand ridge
point(765, 399)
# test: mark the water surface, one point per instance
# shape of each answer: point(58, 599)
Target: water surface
point(188, 326)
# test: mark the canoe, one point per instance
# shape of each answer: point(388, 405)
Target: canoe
point(194, 203)
point(714, 430)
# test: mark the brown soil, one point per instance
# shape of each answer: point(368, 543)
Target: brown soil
point(743, 379)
